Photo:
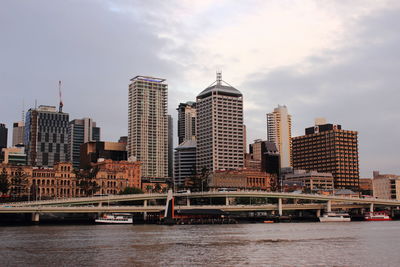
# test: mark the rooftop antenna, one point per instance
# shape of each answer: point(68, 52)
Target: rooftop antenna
point(35, 103)
point(23, 111)
point(219, 77)
point(61, 103)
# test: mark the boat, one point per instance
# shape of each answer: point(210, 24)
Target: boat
point(377, 216)
point(115, 218)
point(335, 217)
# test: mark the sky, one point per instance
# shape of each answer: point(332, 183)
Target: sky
point(334, 59)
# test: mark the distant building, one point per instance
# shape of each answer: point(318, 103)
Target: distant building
point(170, 147)
point(279, 131)
point(92, 152)
point(220, 127)
point(386, 186)
point(14, 156)
point(185, 162)
point(311, 180)
point(187, 115)
point(267, 154)
point(3, 136)
point(148, 125)
point(80, 132)
point(123, 139)
point(18, 133)
point(366, 186)
point(240, 179)
point(46, 136)
point(328, 148)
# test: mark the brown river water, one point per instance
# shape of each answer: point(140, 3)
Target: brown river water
point(280, 244)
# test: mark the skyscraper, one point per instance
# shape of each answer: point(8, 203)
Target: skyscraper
point(80, 132)
point(328, 148)
point(18, 133)
point(3, 136)
point(46, 136)
point(220, 127)
point(185, 162)
point(170, 146)
point(279, 131)
point(186, 121)
point(148, 125)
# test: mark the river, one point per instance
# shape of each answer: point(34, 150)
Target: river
point(280, 244)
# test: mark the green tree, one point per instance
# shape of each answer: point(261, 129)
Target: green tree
point(131, 190)
point(86, 180)
point(198, 182)
point(4, 183)
point(19, 183)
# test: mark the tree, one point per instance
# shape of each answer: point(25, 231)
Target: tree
point(198, 182)
point(4, 183)
point(19, 183)
point(131, 190)
point(86, 181)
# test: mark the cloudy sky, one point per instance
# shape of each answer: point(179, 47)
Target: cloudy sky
point(333, 59)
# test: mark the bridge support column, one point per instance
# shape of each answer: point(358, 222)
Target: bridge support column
point(35, 217)
point(329, 206)
point(188, 202)
point(371, 207)
point(318, 213)
point(145, 213)
point(226, 201)
point(280, 207)
point(100, 204)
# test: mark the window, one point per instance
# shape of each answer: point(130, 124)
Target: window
point(42, 147)
point(54, 138)
point(46, 137)
point(50, 147)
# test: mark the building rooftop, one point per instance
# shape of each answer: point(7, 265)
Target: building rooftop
point(218, 87)
point(187, 144)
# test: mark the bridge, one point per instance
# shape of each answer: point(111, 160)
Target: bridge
point(281, 202)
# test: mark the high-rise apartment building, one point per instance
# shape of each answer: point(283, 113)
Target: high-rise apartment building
point(148, 125)
point(3, 136)
point(186, 121)
point(328, 148)
point(279, 131)
point(46, 136)
point(18, 133)
point(80, 131)
point(170, 146)
point(220, 127)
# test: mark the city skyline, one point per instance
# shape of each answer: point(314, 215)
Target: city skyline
point(350, 79)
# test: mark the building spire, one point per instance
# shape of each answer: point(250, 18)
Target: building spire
point(61, 103)
point(219, 77)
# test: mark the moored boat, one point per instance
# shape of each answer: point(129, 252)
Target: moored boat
point(335, 217)
point(377, 216)
point(115, 218)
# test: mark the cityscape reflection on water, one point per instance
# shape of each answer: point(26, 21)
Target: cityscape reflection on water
point(283, 244)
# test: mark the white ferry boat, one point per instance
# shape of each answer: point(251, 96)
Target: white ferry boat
point(335, 217)
point(115, 218)
point(377, 216)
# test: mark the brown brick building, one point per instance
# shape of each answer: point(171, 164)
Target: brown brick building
point(328, 148)
point(240, 179)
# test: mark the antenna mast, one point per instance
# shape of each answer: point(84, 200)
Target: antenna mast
point(61, 103)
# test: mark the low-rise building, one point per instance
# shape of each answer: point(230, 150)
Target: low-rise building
point(240, 179)
point(14, 156)
point(311, 180)
point(386, 186)
point(91, 152)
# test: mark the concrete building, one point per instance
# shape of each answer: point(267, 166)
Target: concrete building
point(311, 180)
point(148, 125)
point(3, 136)
point(185, 162)
point(279, 131)
point(80, 132)
point(386, 186)
point(18, 133)
point(92, 152)
point(14, 156)
point(366, 186)
point(46, 136)
point(220, 127)
point(267, 154)
point(187, 114)
point(123, 139)
point(170, 147)
point(328, 148)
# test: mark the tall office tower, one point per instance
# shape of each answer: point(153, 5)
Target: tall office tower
point(279, 131)
point(186, 121)
point(80, 132)
point(170, 146)
point(148, 125)
point(18, 133)
point(46, 136)
point(3, 136)
point(328, 148)
point(220, 127)
point(185, 162)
